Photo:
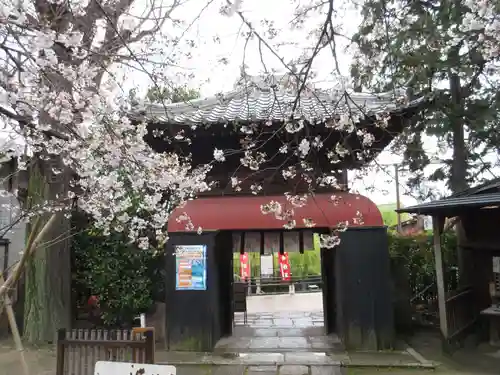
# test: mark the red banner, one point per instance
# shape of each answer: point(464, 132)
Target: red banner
point(285, 271)
point(244, 266)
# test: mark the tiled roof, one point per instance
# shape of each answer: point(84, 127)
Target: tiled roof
point(261, 103)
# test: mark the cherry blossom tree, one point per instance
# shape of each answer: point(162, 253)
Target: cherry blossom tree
point(78, 144)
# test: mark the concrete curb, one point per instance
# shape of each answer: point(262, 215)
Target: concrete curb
point(420, 358)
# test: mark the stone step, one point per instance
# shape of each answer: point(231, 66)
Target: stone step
point(259, 370)
point(281, 349)
point(280, 344)
point(254, 359)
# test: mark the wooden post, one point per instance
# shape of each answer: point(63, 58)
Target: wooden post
point(437, 225)
point(398, 198)
point(14, 329)
point(61, 335)
point(150, 346)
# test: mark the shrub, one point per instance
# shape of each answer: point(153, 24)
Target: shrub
point(126, 280)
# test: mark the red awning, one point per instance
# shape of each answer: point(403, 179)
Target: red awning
point(244, 213)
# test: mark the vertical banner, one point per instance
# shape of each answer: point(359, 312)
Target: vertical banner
point(285, 271)
point(496, 264)
point(308, 240)
point(252, 242)
point(236, 242)
point(271, 242)
point(244, 266)
point(291, 241)
point(191, 267)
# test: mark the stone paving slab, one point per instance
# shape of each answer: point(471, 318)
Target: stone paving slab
point(294, 370)
point(305, 358)
point(328, 370)
point(258, 343)
point(261, 370)
point(296, 343)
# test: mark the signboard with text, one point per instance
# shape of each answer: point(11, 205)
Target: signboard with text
point(191, 267)
point(122, 368)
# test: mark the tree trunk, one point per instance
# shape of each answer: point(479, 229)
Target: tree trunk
point(458, 179)
point(48, 304)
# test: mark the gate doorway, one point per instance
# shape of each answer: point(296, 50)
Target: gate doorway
point(272, 312)
point(354, 277)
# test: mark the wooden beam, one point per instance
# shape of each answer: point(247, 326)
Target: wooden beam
point(14, 329)
point(437, 225)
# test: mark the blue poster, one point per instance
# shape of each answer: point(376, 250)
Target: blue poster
point(191, 267)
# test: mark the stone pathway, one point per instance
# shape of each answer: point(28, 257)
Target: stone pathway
point(285, 343)
point(279, 332)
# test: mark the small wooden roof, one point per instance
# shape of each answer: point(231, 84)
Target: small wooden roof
point(484, 196)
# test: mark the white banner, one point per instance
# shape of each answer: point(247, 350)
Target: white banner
point(266, 266)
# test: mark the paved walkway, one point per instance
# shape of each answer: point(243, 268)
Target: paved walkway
point(279, 332)
point(281, 342)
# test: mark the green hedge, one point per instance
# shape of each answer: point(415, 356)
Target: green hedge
point(126, 280)
point(417, 254)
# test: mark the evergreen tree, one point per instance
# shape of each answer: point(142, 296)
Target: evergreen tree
point(172, 94)
point(431, 47)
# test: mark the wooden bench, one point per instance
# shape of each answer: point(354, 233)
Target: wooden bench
point(79, 350)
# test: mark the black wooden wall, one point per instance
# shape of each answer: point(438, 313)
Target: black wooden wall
point(329, 289)
point(224, 271)
point(191, 315)
point(196, 320)
point(364, 306)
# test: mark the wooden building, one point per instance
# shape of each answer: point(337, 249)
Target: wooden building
point(475, 213)
point(357, 291)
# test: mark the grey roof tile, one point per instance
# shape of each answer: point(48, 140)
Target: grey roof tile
point(262, 104)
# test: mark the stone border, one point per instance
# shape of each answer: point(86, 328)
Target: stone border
point(420, 361)
point(342, 359)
